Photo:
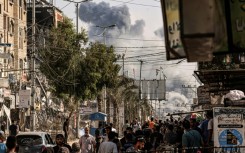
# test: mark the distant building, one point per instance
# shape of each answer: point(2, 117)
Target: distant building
point(46, 16)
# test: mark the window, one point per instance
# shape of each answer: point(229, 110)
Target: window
point(20, 3)
point(11, 27)
point(21, 38)
point(29, 140)
point(4, 5)
point(0, 8)
point(24, 6)
point(21, 64)
point(20, 14)
point(4, 22)
point(1, 38)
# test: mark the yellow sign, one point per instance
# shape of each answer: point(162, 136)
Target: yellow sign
point(171, 15)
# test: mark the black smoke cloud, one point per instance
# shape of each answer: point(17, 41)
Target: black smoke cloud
point(102, 14)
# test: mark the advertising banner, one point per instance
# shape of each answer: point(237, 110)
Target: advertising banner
point(229, 128)
point(25, 98)
point(152, 89)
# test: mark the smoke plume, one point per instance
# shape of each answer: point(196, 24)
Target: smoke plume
point(102, 14)
point(159, 32)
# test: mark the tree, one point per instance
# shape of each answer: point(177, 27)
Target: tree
point(60, 58)
point(124, 92)
point(78, 73)
point(101, 61)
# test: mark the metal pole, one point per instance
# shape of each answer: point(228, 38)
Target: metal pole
point(159, 111)
point(123, 64)
point(105, 99)
point(32, 126)
point(104, 35)
point(141, 63)
point(77, 16)
point(78, 110)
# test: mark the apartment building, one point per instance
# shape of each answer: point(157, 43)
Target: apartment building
point(13, 48)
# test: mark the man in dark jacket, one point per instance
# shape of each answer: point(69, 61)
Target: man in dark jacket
point(60, 142)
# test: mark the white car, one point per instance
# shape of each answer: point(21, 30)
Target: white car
point(37, 142)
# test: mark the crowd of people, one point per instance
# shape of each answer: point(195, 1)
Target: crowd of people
point(150, 136)
point(8, 144)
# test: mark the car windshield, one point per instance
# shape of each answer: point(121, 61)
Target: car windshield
point(29, 140)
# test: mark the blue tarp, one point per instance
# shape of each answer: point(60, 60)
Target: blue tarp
point(98, 116)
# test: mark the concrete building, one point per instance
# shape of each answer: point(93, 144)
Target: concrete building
point(13, 49)
point(46, 17)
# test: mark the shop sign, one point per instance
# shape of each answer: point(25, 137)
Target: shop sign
point(171, 20)
point(229, 128)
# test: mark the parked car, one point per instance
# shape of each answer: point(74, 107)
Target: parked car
point(37, 142)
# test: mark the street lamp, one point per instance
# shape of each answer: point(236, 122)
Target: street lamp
point(76, 4)
point(78, 110)
point(105, 28)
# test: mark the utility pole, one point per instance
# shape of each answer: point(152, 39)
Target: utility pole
point(74, 85)
point(33, 93)
point(105, 28)
point(123, 64)
point(193, 89)
point(141, 63)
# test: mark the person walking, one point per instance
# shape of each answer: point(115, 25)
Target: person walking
point(87, 142)
point(151, 123)
point(3, 147)
point(13, 129)
point(3, 126)
point(138, 145)
point(11, 144)
point(66, 129)
point(60, 142)
point(191, 138)
point(124, 128)
point(108, 146)
point(98, 137)
point(75, 147)
point(170, 137)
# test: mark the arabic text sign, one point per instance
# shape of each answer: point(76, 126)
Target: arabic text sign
point(229, 127)
point(230, 119)
point(171, 15)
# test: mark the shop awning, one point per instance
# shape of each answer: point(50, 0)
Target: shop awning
point(98, 116)
point(222, 81)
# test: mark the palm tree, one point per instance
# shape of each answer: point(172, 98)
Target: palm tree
point(126, 93)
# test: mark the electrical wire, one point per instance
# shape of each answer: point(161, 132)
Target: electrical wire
point(136, 4)
point(154, 40)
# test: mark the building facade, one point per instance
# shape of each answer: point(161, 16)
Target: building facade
point(13, 49)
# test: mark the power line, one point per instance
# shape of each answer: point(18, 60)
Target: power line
point(136, 4)
point(138, 46)
point(152, 54)
point(131, 38)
